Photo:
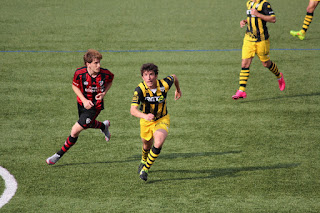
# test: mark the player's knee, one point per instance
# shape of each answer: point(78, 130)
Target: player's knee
point(311, 8)
point(266, 64)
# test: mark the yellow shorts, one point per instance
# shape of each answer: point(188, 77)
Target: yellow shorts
point(261, 48)
point(147, 128)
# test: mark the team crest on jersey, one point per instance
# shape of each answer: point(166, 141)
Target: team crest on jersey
point(135, 97)
point(162, 89)
point(85, 83)
point(88, 120)
point(161, 99)
point(101, 83)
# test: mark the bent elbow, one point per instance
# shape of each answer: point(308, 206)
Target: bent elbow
point(132, 111)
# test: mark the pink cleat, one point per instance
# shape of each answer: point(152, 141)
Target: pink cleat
point(282, 83)
point(239, 94)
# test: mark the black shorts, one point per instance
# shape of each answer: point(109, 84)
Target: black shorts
point(87, 116)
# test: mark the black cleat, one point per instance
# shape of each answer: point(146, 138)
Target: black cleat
point(144, 175)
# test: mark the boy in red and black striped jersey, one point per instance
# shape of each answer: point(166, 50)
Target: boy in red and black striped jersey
point(90, 83)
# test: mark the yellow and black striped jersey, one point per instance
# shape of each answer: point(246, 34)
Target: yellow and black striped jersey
point(153, 102)
point(256, 27)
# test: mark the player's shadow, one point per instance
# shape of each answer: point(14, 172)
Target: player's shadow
point(136, 158)
point(280, 97)
point(216, 173)
point(188, 155)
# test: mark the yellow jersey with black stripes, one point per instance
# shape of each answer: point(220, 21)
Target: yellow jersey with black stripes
point(256, 27)
point(154, 102)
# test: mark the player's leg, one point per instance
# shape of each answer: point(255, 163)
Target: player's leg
point(95, 124)
point(307, 20)
point(146, 135)
point(160, 133)
point(159, 138)
point(71, 140)
point(146, 147)
point(263, 52)
point(248, 52)
point(85, 120)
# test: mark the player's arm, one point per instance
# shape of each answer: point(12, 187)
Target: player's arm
point(266, 18)
point(86, 103)
point(266, 14)
point(137, 113)
point(177, 93)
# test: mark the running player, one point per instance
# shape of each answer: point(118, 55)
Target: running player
point(301, 34)
point(151, 96)
point(90, 83)
point(256, 41)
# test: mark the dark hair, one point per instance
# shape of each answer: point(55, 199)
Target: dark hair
point(90, 55)
point(149, 67)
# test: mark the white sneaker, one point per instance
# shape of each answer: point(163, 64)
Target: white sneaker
point(106, 131)
point(53, 159)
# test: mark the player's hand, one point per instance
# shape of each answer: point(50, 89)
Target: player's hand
point(149, 117)
point(177, 95)
point(100, 96)
point(88, 104)
point(254, 12)
point(243, 23)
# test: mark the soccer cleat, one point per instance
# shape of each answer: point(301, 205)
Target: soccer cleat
point(53, 159)
point(142, 163)
point(282, 83)
point(144, 175)
point(239, 94)
point(106, 131)
point(298, 34)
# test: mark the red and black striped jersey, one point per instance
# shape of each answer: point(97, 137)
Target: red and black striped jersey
point(90, 86)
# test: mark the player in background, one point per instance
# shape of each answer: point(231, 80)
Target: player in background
point(151, 96)
point(256, 41)
point(90, 84)
point(301, 34)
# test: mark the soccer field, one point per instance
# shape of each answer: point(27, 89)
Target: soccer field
point(259, 154)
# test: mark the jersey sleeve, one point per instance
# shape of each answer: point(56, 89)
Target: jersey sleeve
point(76, 80)
point(109, 76)
point(137, 97)
point(169, 80)
point(267, 10)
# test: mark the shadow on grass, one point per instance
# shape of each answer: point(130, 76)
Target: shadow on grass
point(189, 155)
point(136, 158)
point(216, 173)
point(281, 97)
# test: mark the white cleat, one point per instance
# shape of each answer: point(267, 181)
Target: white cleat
point(53, 159)
point(106, 131)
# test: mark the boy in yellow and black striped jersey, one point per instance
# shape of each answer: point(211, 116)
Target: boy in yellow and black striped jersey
point(151, 96)
point(301, 34)
point(256, 41)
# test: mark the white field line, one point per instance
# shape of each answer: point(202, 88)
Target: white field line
point(11, 186)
